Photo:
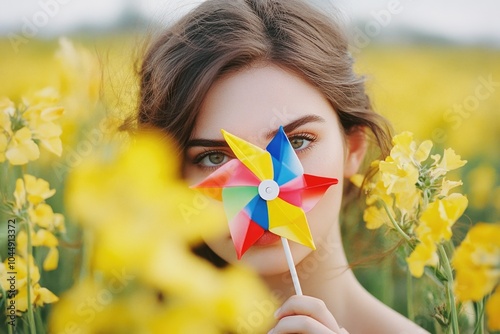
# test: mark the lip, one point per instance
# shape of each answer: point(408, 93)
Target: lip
point(267, 239)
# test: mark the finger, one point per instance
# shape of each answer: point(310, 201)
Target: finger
point(309, 306)
point(300, 324)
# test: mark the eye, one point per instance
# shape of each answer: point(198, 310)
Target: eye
point(211, 159)
point(301, 141)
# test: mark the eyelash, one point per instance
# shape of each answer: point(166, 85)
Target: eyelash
point(303, 135)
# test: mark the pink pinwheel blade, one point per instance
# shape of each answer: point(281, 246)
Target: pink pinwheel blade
point(244, 232)
point(231, 174)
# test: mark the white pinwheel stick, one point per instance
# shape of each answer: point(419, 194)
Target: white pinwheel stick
point(291, 266)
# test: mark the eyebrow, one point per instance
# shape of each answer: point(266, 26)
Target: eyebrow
point(287, 128)
point(295, 124)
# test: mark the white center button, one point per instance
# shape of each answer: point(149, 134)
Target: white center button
point(268, 190)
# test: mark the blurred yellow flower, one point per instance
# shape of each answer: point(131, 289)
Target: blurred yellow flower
point(7, 108)
point(170, 214)
point(3, 146)
point(493, 310)
point(477, 265)
point(21, 149)
point(477, 262)
point(134, 196)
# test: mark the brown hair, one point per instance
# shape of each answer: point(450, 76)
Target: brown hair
point(220, 36)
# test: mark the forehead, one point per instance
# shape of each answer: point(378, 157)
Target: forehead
point(257, 100)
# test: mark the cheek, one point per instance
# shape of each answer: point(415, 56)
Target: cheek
point(326, 158)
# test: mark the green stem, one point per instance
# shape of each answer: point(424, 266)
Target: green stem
point(449, 289)
point(479, 308)
point(39, 322)
point(395, 224)
point(86, 254)
point(31, 316)
point(409, 294)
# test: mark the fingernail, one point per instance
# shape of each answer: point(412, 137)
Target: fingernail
point(276, 313)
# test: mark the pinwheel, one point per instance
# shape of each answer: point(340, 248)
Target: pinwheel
point(265, 190)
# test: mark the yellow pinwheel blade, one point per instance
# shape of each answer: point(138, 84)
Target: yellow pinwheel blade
point(289, 221)
point(255, 158)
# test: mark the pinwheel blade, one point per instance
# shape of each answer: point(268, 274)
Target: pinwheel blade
point(306, 190)
point(244, 232)
point(236, 198)
point(286, 164)
point(315, 188)
point(255, 158)
point(289, 221)
point(231, 174)
point(257, 210)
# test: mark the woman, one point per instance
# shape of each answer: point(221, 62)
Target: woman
point(248, 66)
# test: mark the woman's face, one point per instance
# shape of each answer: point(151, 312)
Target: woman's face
point(251, 104)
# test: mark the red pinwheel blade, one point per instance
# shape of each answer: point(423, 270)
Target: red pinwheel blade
point(306, 191)
point(244, 232)
point(315, 188)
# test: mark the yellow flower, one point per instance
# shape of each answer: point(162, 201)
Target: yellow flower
point(447, 185)
point(7, 109)
point(398, 178)
point(3, 146)
point(423, 255)
point(20, 194)
point(135, 197)
point(22, 149)
point(375, 217)
point(41, 238)
point(493, 310)
point(138, 198)
point(477, 262)
point(405, 149)
point(37, 189)
point(39, 295)
point(42, 215)
point(49, 136)
point(40, 115)
point(47, 239)
point(448, 162)
point(51, 260)
point(439, 216)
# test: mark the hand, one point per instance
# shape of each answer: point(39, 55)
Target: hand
point(304, 314)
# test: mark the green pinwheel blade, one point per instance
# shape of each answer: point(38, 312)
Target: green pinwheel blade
point(236, 198)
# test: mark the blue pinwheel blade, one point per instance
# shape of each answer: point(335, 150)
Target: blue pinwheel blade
point(289, 166)
point(258, 212)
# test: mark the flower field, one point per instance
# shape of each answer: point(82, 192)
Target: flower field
point(76, 194)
